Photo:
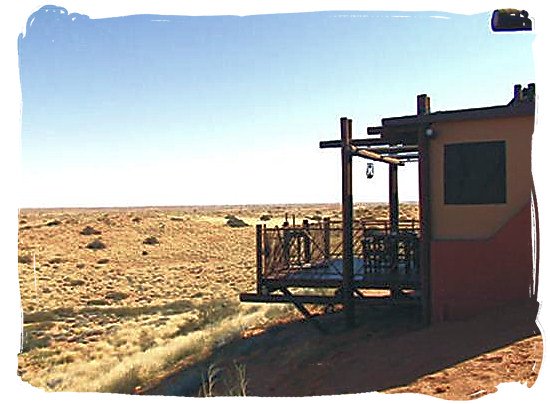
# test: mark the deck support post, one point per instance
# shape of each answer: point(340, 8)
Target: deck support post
point(394, 220)
point(286, 244)
point(423, 108)
point(259, 258)
point(347, 221)
point(393, 198)
point(307, 242)
point(326, 239)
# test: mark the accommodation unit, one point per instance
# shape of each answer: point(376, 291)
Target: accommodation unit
point(473, 248)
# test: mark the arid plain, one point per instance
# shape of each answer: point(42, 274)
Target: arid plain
point(113, 298)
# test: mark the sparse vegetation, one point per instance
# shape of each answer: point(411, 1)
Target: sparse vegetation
point(234, 221)
point(151, 240)
point(89, 231)
point(114, 327)
point(97, 244)
point(25, 259)
point(224, 382)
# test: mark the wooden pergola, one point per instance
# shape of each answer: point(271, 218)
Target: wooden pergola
point(395, 152)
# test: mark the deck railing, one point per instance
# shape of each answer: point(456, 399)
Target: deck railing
point(289, 249)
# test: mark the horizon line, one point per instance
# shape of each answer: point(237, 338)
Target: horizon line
point(208, 205)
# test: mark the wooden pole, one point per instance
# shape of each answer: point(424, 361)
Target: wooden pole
point(423, 108)
point(286, 244)
point(326, 239)
point(307, 242)
point(259, 258)
point(347, 222)
point(393, 199)
point(394, 221)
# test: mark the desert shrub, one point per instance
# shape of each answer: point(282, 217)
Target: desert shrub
point(151, 240)
point(53, 223)
point(116, 295)
point(234, 381)
point(24, 259)
point(177, 218)
point(97, 244)
point(236, 222)
point(97, 302)
point(265, 218)
point(89, 231)
point(76, 282)
point(103, 261)
point(56, 260)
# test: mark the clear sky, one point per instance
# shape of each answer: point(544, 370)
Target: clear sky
point(174, 110)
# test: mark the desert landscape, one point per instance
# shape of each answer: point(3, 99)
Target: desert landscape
point(116, 300)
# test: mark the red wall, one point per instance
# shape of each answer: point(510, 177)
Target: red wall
point(469, 276)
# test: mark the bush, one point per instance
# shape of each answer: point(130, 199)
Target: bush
point(89, 231)
point(151, 241)
point(236, 222)
point(24, 259)
point(97, 244)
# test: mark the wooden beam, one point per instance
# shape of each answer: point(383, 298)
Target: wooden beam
point(375, 130)
point(374, 156)
point(394, 148)
point(323, 299)
point(336, 144)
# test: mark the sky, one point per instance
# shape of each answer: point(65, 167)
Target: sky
point(144, 110)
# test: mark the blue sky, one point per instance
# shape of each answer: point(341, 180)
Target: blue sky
point(174, 110)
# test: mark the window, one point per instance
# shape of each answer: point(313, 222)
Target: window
point(475, 173)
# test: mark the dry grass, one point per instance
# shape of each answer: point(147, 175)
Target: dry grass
point(111, 319)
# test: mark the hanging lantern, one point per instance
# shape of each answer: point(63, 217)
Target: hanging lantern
point(370, 170)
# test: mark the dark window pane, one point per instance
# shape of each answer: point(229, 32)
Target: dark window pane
point(475, 173)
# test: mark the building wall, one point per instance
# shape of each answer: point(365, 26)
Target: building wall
point(467, 222)
point(481, 255)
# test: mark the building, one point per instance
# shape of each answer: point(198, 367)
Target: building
point(473, 249)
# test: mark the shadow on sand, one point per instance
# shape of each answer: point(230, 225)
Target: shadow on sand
point(388, 348)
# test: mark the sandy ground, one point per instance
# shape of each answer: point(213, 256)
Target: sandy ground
point(164, 274)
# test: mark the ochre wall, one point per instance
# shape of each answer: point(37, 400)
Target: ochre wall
point(467, 222)
point(481, 255)
point(469, 276)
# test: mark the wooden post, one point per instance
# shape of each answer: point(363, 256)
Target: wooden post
point(393, 239)
point(259, 258)
point(307, 242)
point(347, 222)
point(286, 244)
point(326, 238)
point(423, 108)
point(393, 199)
